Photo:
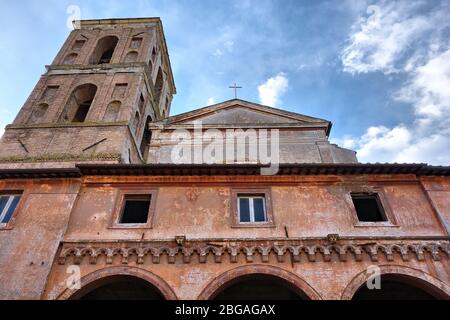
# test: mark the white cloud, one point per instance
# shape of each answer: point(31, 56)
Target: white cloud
point(229, 45)
point(211, 101)
point(226, 47)
point(273, 89)
point(401, 144)
point(218, 53)
point(428, 138)
point(386, 45)
point(381, 40)
point(429, 88)
point(381, 144)
point(347, 141)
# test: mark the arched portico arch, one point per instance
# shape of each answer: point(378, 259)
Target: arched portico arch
point(104, 276)
point(401, 274)
point(234, 276)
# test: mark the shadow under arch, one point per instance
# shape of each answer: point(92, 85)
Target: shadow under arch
point(406, 275)
point(232, 277)
point(101, 277)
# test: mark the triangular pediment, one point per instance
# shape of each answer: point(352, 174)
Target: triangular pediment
point(239, 112)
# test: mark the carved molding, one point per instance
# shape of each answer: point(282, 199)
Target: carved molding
point(63, 157)
point(253, 251)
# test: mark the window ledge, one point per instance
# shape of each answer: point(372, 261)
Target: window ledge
point(254, 225)
point(376, 225)
point(130, 226)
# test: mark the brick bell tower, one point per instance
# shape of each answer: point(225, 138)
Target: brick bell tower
point(108, 81)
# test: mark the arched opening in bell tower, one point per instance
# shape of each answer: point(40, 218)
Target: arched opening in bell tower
point(146, 139)
point(79, 103)
point(104, 50)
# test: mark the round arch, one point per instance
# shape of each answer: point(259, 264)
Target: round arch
point(99, 275)
point(104, 50)
point(297, 284)
point(408, 275)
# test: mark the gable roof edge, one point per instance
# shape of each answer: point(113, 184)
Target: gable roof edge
point(251, 105)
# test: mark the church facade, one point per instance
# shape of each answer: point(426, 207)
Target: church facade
point(104, 195)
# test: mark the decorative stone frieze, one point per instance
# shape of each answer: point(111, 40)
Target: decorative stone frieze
point(253, 251)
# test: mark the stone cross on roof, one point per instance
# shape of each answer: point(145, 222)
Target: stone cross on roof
point(235, 87)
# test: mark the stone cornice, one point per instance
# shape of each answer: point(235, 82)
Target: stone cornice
point(315, 169)
point(128, 67)
point(87, 124)
point(98, 23)
point(229, 172)
point(141, 252)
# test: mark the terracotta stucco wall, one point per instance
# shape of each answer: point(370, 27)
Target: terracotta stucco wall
point(308, 207)
point(438, 190)
point(55, 213)
point(27, 249)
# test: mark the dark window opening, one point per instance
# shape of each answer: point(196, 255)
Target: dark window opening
point(368, 208)
point(135, 210)
point(106, 57)
point(135, 123)
point(146, 139)
point(82, 111)
point(79, 104)
point(159, 84)
point(104, 50)
point(153, 54)
point(141, 104)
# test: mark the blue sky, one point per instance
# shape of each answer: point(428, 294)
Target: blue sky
point(379, 70)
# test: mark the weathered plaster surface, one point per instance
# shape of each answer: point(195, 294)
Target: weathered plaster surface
point(28, 249)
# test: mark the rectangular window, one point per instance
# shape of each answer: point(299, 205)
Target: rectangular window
point(141, 104)
point(78, 45)
point(135, 209)
point(8, 204)
point(119, 90)
point(49, 93)
point(136, 43)
point(368, 208)
point(252, 208)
